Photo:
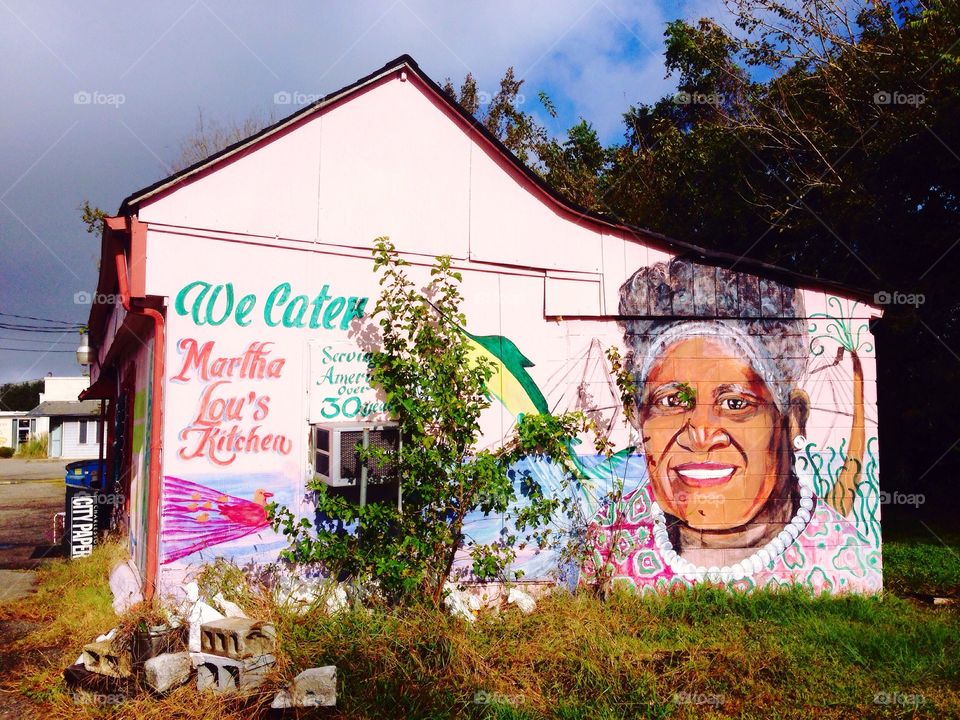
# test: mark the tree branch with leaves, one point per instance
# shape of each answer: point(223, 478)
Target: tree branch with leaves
point(435, 389)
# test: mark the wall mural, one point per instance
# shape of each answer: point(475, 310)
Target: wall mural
point(138, 425)
point(233, 434)
point(752, 459)
point(196, 517)
point(231, 421)
point(722, 484)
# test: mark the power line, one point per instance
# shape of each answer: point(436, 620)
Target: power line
point(31, 317)
point(34, 329)
point(50, 324)
point(35, 350)
point(69, 341)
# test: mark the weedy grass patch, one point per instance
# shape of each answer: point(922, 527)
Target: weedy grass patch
point(923, 564)
point(697, 654)
point(700, 653)
point(35, 447)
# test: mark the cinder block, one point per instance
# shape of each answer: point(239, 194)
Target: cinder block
point(314, 687)
point(103, 659)
point(91, 688)
point(237, 638)
point(167, 671)
point(221, 674)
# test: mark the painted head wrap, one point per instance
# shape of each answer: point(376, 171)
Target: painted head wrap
point(761, 320)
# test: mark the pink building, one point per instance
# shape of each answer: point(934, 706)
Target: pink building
point(234, 359)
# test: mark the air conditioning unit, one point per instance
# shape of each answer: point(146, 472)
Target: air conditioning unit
point(337, 457)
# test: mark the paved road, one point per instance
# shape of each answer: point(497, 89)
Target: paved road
point(17, 469)
point(31, 493)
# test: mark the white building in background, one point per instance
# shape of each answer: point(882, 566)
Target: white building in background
point(72, 426)
point(10, 422)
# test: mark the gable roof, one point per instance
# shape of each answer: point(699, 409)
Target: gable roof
point(130, 205)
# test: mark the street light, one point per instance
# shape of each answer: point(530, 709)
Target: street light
point(84, 352)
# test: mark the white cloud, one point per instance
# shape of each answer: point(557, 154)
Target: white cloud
point(169, 59)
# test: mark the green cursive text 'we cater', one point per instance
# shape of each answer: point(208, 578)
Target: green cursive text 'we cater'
point(209, 304)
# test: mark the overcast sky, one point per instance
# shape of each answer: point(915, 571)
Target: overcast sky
point(96, 97)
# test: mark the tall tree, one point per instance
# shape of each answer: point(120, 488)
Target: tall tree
point(212, 136)
point(822, 136)
point(575, 167)
point(843, 162)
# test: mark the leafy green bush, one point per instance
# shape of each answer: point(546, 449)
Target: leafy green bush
point(435, 388)
point(6, 452)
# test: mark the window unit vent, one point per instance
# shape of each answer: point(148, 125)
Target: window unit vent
point(337, 456)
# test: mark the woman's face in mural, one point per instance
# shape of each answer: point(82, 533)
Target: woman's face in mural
point(712, 434)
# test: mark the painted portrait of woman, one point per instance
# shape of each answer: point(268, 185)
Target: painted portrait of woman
point(719, 359)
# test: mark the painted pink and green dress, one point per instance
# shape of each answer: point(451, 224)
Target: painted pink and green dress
point(829, 555)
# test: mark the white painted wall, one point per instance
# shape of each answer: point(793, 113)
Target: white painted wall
point(72, 448)
point(7, 420)
point(63, 388)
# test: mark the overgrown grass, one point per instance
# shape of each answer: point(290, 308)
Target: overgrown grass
point(705, 653)
point(35, 447)
point(927, 564)
point(690, 655)
point(71, 606)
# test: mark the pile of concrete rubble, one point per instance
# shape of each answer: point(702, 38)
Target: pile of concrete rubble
point(211, 643)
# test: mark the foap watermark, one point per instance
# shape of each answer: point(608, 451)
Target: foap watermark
point(884, 97)
point(85, 697)
point(83, 297)
point(899, 498)
point(115, 499)
point(95, 97)
point(693, 698)
point(683, 497)
point(485, 697)
point(688, 98)
point(295, 97)
point(885, 297)
point(485, 98)
point(898, 698)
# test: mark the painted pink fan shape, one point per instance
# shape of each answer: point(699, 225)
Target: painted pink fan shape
point(196, 517)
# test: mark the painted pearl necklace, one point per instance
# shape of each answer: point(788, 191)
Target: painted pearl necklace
point(749, 565)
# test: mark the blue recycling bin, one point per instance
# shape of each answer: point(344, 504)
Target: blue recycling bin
point(85, 473)
point(88, 510)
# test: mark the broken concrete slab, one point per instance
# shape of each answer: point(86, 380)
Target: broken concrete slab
point(337, 600)
point(126, 587)
point(229, 609)
point(221, 674)
point(237, 638)
point(523, 601)
point(314, 687)
point(461, 604)
point(200, 614)
point(167, 671)
point(934, 599)
point(102, 658)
